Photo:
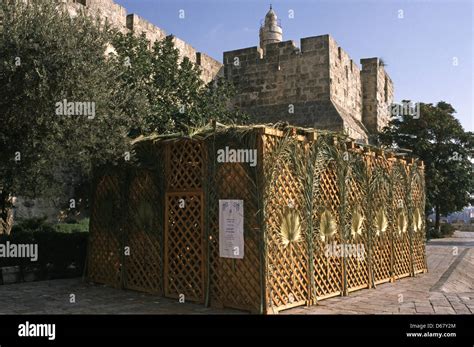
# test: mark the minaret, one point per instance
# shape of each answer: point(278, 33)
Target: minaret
point(270, 31)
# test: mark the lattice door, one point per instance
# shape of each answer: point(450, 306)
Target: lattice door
point(144, 263)
point(184, 246)
point(104, 261)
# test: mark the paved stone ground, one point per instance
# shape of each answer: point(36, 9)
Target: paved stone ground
point(447, 288)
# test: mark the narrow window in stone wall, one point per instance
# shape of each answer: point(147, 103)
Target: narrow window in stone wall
point(347, 72)
point(339, 53)
point(385, 89)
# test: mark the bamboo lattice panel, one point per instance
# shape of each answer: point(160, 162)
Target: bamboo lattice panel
point(104, 253)
point(185, 160)
point(382, 245)
point(357, 271)
point(401, 243)
point(419, 239)
point(236, 282)
point(143, 267)
point(184, 246)
point(327, 270)
point(419, 253)
point(287, 281)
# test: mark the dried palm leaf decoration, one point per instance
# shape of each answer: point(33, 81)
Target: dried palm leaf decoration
point(381, 222)
point(327, 226)
point(356, 223)
point(417, 220)
point(327, 229)
point(290, 227)
point(402, 222)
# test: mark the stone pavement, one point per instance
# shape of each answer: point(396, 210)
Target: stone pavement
point(53, 297)
point(448, 288)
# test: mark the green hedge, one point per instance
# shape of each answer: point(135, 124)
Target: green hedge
point(60, 255)
point(446, 230)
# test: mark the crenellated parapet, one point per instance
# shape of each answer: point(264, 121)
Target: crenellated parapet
point(316, 84)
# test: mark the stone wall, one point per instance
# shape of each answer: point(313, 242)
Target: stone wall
point(317, 85)
point(140, 26)
point(210, 68)
point(346, 90)
point(107, 10)
point(305, 86)
point(377, 94)
point(117, 16)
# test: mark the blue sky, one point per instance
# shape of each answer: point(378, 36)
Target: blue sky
point(420, 50)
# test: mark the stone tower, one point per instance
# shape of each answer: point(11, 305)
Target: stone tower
point(377, 93)
point(314, 85)
point(270, 31)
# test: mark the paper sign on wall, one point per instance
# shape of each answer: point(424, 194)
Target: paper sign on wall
point(231, 229)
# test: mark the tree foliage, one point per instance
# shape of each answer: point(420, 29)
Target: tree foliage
point(47, 56)
point(438, 139)
point(171, 95)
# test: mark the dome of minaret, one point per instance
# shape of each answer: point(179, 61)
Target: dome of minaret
point(271, 15)
point(270, 31)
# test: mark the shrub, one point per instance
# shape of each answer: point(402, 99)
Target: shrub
point(446, 230)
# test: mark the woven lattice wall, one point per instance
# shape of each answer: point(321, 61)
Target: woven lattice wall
point(387, 254)
point(105, 240)
point(235, 283)
point(143, 265)
point(166, 214)
point(185, 248)
point(327, 270)
point(287, 267)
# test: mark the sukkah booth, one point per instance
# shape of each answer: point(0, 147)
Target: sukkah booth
point(257, 218)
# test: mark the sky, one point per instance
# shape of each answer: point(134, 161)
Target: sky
point(427, 44)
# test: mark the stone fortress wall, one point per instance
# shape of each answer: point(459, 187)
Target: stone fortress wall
point(314, 85)
point(117, 16)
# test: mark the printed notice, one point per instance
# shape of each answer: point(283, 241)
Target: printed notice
point(231, 229)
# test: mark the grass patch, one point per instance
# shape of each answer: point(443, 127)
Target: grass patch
point(81, 227)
